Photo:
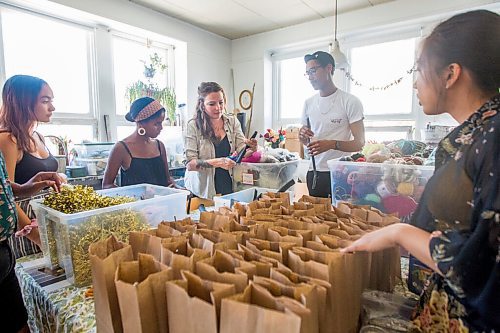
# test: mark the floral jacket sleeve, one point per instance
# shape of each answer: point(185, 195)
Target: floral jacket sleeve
point(8, 213)
point(468, 215)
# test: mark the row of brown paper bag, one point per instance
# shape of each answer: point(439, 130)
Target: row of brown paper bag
point(133, 281)
point(187, 248)
point(148, 294)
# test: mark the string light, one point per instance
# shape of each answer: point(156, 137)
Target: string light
point(378, 88)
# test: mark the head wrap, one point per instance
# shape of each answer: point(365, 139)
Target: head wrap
point(143, 108)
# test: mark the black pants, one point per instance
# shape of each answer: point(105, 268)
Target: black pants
point(323, 184)
point(13, 316)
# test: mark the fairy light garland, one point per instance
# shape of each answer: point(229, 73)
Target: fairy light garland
point(380, 88)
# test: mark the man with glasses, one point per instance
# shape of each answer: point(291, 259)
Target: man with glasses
point(332, 122)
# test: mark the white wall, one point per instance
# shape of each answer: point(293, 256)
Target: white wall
point(251, 59)
point(208, 56)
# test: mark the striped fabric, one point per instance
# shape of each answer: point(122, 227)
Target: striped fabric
point(22, 246)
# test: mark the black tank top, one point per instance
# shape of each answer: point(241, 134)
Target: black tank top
point(223, 180)
point(30, 165)
point(145, 170)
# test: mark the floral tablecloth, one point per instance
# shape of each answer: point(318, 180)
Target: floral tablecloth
point(52, 309)
point(66, 309)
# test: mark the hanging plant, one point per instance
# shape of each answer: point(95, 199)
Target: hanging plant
point(165, 95)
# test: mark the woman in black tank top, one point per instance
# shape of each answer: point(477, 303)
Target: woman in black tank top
point(140, 157)
point(27, 100)
point(30, 165)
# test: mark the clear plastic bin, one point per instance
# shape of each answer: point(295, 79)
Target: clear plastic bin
point(267, 175)
point(94, 150)
point(95, 166)
point(392, 188)
point(244, 196)
point(73, 233)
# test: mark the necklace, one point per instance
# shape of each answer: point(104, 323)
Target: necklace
point(332, 102)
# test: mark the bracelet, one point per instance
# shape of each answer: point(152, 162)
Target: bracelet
point(337, 145)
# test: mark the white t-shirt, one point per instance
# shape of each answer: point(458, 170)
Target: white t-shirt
point(330, 118)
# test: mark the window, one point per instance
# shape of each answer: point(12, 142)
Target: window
point(77, 133)
point(131, 57)
point(68, 56)
point(377, 65)
point(123, 131)
point(292, 90)
point(380, 135)
point(59, 53)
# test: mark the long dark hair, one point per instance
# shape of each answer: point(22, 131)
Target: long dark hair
point(17, 114)
point(202, 122)
point(471, 40)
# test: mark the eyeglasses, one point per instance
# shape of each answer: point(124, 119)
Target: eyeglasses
point(311, 71)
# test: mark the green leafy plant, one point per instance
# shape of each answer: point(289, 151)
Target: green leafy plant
point(165, 95)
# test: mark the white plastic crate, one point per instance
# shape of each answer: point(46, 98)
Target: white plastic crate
point(267, 175)
point(392, 188)
point(244, 196)
point(154, 204)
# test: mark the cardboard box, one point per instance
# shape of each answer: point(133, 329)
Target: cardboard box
point(295, 146)
point(292, 133)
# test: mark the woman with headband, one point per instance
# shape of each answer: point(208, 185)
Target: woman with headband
point(140, 157)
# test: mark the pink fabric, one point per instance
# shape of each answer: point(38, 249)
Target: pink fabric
point(254, 158)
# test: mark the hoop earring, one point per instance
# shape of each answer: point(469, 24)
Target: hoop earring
point(141, 131)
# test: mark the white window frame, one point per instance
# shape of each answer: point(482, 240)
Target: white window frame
point(64, 118)
point(384, 36)
point(120, 119)
point(102, 107)
point(278, 121)
point(397, 122)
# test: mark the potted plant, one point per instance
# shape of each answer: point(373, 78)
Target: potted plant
point(165, 95)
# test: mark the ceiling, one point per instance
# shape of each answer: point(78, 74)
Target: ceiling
point(239, 18)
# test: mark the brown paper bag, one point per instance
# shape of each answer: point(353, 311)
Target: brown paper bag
point(223, 268)
point(195, 304)
point(179, 255)
point(105, 256)
point(141, 290)
point(275, 250)
point(285, 276)
point(304, 293)
point(316, 228)
point(262, 264)
point(257, 311)
point(281, 234)
point(149, 242)
point(283, 198)
point(229, 240)
point(385, 269)
point(186, 225)
point(216, 221)
point(339, 269)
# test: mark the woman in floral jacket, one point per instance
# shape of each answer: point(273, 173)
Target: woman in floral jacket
point(456, 228)
point(13, 315)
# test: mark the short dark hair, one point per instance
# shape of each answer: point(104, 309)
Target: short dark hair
point(323, 58)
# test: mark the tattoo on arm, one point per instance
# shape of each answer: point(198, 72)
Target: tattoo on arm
point(202, 164)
